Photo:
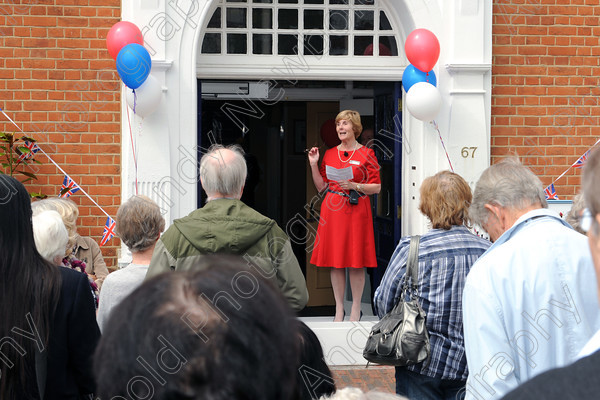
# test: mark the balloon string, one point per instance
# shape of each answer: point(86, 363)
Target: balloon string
point(140, 123)
point(134, 100)
point(435, 125)
point(133, 151)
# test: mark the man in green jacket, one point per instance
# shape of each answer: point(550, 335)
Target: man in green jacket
point(226, 225)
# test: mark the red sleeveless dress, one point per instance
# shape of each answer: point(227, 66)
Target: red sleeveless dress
point(345, 233)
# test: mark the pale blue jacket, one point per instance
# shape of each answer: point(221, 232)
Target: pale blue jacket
point(529, 304)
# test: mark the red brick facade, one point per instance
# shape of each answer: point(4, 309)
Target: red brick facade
point(545, 85)
point(58, 82)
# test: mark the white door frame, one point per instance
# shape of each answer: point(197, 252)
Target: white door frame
point(166, 140)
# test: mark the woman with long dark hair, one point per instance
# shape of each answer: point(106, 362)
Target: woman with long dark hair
point(48, 331)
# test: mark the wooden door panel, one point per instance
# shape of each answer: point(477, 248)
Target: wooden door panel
point(318, 279)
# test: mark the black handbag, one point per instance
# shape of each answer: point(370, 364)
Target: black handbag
point(400, 338)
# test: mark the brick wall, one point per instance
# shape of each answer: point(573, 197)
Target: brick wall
point(545, 85)
point(375, 377)
point(58, 82)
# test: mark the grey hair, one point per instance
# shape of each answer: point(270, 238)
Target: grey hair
point(139, 223)
point(50, 234)
point(508, 184)
point(591, 187)
point(219, 177)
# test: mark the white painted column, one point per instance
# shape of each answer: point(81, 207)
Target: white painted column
point(464, 80)
point(166, 140)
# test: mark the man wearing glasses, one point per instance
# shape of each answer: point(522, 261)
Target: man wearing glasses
point(530, 302)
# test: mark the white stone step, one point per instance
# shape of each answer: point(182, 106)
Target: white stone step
point(342, 342)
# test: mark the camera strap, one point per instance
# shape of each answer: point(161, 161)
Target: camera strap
point(340, 193)
point(345, 194)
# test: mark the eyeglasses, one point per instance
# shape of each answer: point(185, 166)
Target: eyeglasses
point(585, 220)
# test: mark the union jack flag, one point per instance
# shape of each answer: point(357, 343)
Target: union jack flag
point(581, 160)
point(109, 231)
point(26, 155)
point(68, 187)
point(550, 193)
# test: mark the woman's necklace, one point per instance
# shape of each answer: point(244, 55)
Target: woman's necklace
point(350, 158)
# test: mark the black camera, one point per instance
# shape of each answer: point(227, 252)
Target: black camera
point(353, 197)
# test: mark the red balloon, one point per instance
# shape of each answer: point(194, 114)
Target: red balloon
point(422, 49)
point(329, 134)
point(120, 35)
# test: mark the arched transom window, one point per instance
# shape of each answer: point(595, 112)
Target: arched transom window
point(337, 28)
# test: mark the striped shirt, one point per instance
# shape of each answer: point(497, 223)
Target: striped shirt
point(445, 258)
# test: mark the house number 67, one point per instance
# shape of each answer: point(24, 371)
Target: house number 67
point(468, 151)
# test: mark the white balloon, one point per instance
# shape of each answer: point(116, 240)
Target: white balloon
point(424, 101)
point(147, 97)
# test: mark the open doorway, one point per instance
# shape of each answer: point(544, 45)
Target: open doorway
point(275, 135)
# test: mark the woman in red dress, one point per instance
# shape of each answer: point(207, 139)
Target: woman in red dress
point(345, 234)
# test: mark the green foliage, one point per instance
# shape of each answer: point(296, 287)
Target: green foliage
point(11, 147)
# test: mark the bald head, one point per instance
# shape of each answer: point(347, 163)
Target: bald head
point(223, 171)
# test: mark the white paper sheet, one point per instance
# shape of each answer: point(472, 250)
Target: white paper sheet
point(334, 174)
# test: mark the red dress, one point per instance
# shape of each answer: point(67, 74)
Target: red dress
point(345, 233)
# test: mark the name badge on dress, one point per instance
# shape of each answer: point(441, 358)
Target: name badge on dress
point(354, 162)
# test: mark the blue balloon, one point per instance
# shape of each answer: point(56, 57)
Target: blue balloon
point(133, 65)
point(413, 75)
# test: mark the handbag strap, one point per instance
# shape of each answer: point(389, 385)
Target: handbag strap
point(412, 265)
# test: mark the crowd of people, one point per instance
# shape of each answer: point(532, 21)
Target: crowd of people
point(207, 309)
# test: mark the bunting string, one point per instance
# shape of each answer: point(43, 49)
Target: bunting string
point(435, 125)
point(549, 190)
point(56, 165)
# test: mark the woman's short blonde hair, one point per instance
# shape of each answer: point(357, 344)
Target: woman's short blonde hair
point(68, 211)
point(354, 118)
point(445, 200)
